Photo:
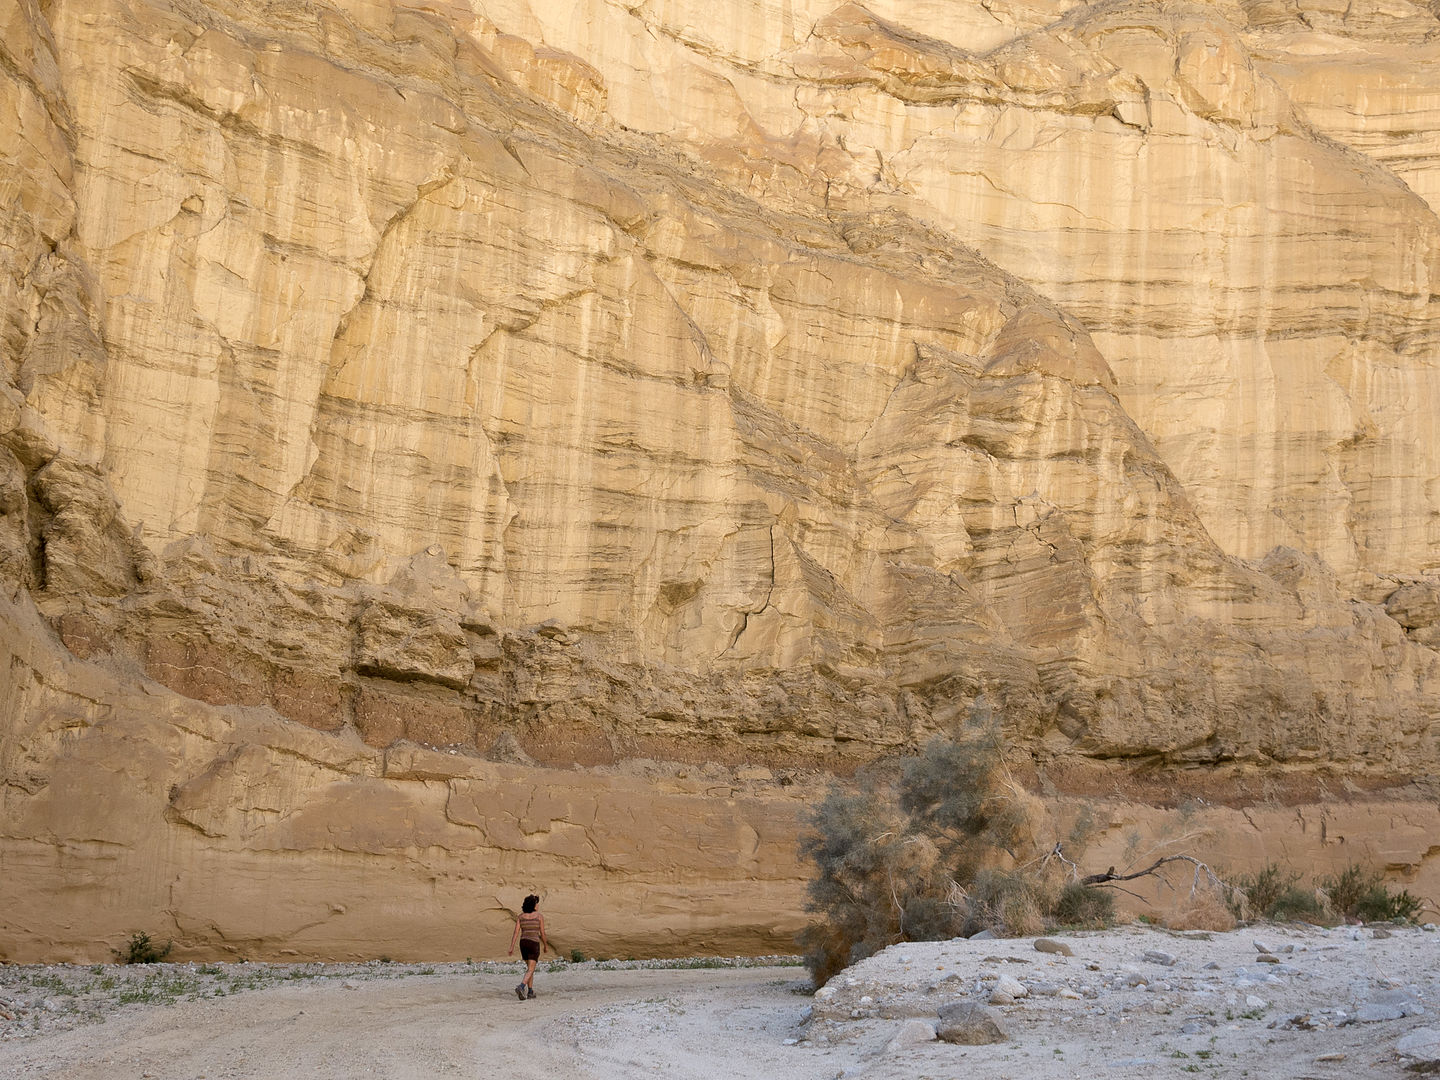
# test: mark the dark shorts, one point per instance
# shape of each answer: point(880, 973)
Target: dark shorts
point(530, 950)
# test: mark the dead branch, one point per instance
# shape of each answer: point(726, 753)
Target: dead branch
point(1110, 876)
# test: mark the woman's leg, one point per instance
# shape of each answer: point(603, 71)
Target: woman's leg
point(530, 974)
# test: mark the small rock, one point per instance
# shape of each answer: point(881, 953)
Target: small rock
point(1430, 927)
point(967, 1023)
point(1135, 979)
point(911, 1033)
point(1267, 958)
point(1391, 1005)
point(1049, 945)
point(825, 993)
point(999, 997)
point(1401, 998)
point(1211, 966)
point(1422, 1044)
point(1157, 956)
point(1069, 994)
point(983, 935)
point(1330, 1057)
point(1253, 1002)
point(1262, 948)
point(1014, 987)
point(1044, 989)
point(791, 1042)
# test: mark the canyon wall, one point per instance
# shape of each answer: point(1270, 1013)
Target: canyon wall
point(452, 448)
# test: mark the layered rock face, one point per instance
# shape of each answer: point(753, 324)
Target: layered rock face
point(641, 389)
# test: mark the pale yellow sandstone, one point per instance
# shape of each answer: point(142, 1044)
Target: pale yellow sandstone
point(575, 385)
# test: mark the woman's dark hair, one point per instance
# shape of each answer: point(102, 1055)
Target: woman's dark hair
point(529, 904)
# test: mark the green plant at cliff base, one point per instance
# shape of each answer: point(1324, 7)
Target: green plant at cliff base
point(1357, 893)
point(1274, 893)
point(929, 848)
point(140, 949)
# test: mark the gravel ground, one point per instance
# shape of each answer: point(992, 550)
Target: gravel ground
point(1267, 1001)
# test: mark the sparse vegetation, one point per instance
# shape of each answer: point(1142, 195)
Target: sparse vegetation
point(1276, 893)
point(938, 845)
point(1357, 893)
point(1084, 907)
point(141, 949)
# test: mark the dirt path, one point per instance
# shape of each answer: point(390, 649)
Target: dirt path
point(1132, 1002)
point(677, 1024)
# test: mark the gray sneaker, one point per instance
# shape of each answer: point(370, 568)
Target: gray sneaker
point(520, 991)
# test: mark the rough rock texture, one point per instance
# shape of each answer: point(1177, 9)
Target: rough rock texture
point(578, 385)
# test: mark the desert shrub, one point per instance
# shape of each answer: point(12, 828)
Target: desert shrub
point(1272, 893)
point(920, 852)
point(1358, 893)
point(141, 949)
point(957, 793)
point(1382, 905)
point(876, 881)
point(1006, 902)
point(1083, 906)
point(1203, 909)
point(1259, 891)
point(1296, 903)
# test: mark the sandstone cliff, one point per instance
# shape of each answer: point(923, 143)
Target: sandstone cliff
point(598, 393)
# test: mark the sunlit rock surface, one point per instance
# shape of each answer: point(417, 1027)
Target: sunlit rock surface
point(607, 391)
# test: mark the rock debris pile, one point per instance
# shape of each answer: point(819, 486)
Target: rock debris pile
point(1144, 998)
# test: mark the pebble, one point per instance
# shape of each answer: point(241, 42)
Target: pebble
point(969, 1024)
point(1159, 956)
point(1011, 986)
point(1389, 1005)
point(1049, 945)
point(1422, 1044)
point(912, 1033)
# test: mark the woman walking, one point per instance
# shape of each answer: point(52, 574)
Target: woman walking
point(530, 930)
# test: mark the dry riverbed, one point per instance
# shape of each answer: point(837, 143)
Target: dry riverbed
point(1272, 1001)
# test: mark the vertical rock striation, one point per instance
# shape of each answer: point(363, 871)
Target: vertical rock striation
point(629, 389)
